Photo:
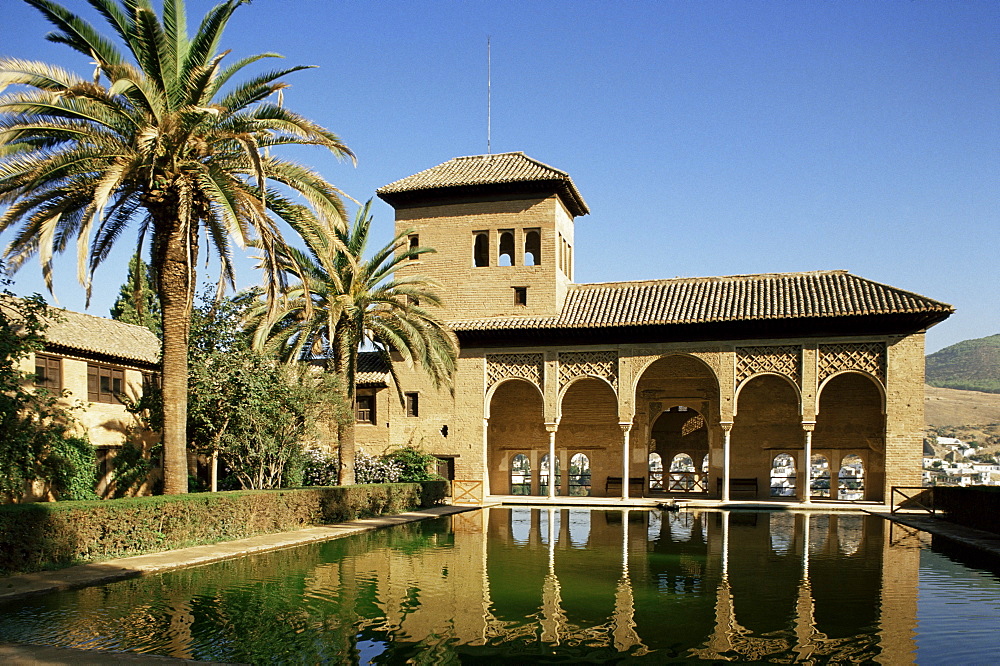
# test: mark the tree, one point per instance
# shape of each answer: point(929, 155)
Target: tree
point(342, 301)
point(137, 301)
point(153, 140)
point(249, 409)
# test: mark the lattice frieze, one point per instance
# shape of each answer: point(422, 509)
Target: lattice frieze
point(603, 364)
point(778, 359)
point(519, 366)
point(864, 356)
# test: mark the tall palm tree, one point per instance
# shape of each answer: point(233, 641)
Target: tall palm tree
point(339, 301)
point(154, 141)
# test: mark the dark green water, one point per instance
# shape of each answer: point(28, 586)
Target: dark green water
point(553, 586)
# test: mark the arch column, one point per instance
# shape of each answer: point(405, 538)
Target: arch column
point(806, 464)
point(626, 429)
point(551, 428)
point(727, 430)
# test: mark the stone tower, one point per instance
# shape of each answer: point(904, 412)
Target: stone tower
point(502, 226)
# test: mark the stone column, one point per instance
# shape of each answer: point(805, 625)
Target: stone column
point(727, 428)
point(806, 464)
point(486, 462)
point(626, 428)
point(551, 428)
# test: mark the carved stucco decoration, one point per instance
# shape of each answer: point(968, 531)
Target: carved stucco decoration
point(864, 356)
point(603, 364)
point(519, 366)
point(778, 359)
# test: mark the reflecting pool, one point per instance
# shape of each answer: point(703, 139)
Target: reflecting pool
point(553, 586)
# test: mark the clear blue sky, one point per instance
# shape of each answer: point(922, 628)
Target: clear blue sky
point(708, 138)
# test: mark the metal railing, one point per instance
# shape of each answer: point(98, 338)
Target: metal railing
point(917, 500)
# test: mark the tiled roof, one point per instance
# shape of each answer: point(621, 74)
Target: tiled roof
point(734, 298)
point(477, 171)
point(103, 336)
point(372, 369)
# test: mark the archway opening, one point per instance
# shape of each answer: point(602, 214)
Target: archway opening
point(850, 422)
point(679, 389)
point(516, 427)
point(588, 425)
point(655, 472)
point(579, 475)
point(783, 476)
point(820, 484)
point(680, 435)
point(683, 476)
point(851, 479)
point(767, 422)
point(520, 475)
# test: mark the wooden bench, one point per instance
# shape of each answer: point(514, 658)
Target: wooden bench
point(736, 485)
point(616, 481)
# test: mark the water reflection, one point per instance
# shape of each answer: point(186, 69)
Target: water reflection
point(529, 584)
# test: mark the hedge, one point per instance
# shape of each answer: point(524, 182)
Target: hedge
point(50, 535)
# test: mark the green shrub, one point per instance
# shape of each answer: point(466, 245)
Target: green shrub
point(54, 534)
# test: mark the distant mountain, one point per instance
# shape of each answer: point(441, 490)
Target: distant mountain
point(970, 365)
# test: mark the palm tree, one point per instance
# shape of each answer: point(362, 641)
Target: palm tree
point(153, 141)
point(341, 301)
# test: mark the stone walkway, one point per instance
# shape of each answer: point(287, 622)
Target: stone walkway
point(987, 542)
point(84, 575)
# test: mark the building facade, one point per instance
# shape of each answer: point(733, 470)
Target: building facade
point(713, 386)
point(91, 362)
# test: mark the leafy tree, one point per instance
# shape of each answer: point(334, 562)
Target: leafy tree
point(153, 140)
point(342, 300)
point(137, 301)
point(252, 411)
point(38, 436)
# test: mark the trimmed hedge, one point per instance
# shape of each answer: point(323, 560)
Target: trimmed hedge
point(972, 506)
point(57, 534)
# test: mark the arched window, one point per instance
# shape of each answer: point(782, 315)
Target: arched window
point(579, 475)
point(783, 476)
point(532, 248)
point(520, 475)
point(481, 249)
point(655, 471)
point(820, 474)
point(682, 473)
point(506, 249)
point(543, 476)
point(851, 479)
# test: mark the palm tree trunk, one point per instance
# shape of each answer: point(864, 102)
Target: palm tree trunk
point(346, 361)
point(175, 259)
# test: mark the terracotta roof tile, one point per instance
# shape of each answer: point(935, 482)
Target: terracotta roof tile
point(88, 333)
point(485, 170)
point(721, 299)
point(372, 369)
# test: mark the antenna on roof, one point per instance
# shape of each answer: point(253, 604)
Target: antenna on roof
point(489, 99)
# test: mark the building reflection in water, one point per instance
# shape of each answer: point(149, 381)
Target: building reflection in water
point(510, 582)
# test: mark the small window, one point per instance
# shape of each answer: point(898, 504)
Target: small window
point(413, 404)
point(532, 248)
point(414, 243)
point(481, 249)
point(412, 300)
point(506, 249)
point(365, 409)
point(104, 383)
point(48, 372)
point(520, 295)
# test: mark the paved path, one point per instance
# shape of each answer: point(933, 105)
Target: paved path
point(988, 542)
